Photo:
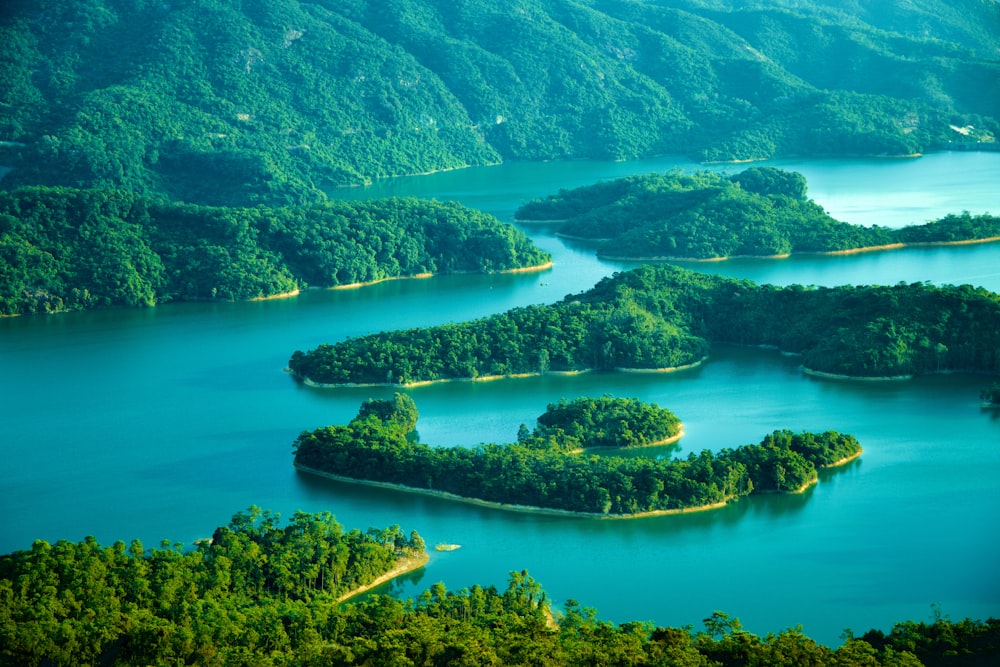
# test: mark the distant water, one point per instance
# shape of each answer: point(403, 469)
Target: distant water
point(161, 423)
point(891, 192)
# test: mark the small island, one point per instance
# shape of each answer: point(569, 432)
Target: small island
point(758, 212)
point(548, 470)
point(664, 317)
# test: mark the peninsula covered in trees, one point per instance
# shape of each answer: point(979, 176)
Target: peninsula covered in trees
point(255, 599)
point(278, 102)
point(70, 249)
point(761, 211)
point(544, 471)
point(256, 586)
point(663, 317)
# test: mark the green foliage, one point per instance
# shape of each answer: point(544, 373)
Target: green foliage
point(276, 102)
point(607, 422)
point(254, 588)
point(543, 469)
point(68, 249)
point(761, 211)
point(663, 316)
point(398, 415)
point(72, 604)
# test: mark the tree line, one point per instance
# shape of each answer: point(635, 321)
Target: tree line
point(664, 317)
point(70, 604)
point(761, 211)
point(71, 249)
point(543, 470)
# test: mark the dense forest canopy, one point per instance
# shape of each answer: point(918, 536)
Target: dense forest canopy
point(666, 317)
point(545, 468)
point(256, 586)
point(259, 598)
point(277, 101)
point(70, 249)
point(761, 211)
point(604, 422)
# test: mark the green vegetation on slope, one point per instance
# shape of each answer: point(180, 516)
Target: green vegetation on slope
point(543, 470)
point(274, 102)
point(67, 249)
point(254, 600)
point(663, 316)
point(254, 588)
point(761, 211)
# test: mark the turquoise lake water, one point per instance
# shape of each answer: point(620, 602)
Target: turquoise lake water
point(161, 423)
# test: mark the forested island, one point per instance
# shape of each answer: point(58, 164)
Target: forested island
point(71, 249)
point(759, 212)
point(263, 594)
point(279, 102)
point(544, 471)
point(664, 317)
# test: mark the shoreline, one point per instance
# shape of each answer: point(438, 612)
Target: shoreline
point(669, 440)
point(848, 251)
point(865, 378)
point(510, 507)
point(280, 295)
point(666, 369)
point(403, 566)
point(429, 274)
point(843, 461)
point(490, 378)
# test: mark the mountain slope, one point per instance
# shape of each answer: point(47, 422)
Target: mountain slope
point(278, 101)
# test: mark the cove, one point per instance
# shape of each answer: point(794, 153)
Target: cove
point(161, 423)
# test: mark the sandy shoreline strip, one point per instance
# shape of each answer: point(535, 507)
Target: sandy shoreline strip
point(404, 565)
point(863, 378)
point(848, 251)
point(490, 378)
point(422, 276)
point(843, 461)
point(282, 295)
point(528, 509)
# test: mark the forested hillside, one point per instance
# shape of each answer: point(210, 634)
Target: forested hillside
point(275, 101)
point(760, 211)
point(664, 317)
point(69, 249)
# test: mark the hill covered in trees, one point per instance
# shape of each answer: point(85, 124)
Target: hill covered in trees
point(544, 470)
point(254, 596)
point(659, 317)
point(249, 590)
point(761, 211)
point(274, 102)
point(70, 249)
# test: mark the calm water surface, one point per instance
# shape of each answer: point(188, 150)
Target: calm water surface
point(160, 424)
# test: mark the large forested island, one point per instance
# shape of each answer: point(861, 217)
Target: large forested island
point(259, 593)
point(761, 211)
point(544, 471)
point(71, 249)
point(664, 317)
point(276, 102)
